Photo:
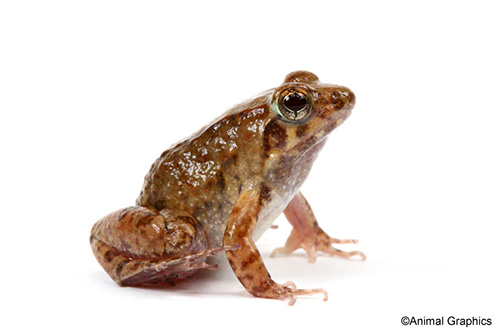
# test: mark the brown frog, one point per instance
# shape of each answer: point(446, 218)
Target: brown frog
point(221, 188)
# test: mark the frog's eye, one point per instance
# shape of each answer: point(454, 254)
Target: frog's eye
point(294, 104)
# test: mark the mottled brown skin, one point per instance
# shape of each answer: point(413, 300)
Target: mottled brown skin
point(220, 189)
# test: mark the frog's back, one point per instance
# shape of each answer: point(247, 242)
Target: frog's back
point(203, 175)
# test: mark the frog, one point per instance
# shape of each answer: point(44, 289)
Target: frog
point(220, 189)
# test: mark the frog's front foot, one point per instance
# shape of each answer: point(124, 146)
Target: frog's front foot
point(268, 288)
point(294, 292)
point(246, 261)
point(316, 241)
point(286, 291)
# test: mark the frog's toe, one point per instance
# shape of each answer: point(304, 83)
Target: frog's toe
point(343, 254)
point(294, 292)
point(126, 269)
point(324, 244)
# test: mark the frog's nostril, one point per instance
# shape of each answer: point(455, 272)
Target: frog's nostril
point(338, 95)
point(342, 95)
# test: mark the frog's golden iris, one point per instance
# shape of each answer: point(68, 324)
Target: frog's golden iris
point(294, 103)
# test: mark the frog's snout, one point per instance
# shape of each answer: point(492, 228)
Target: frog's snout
point(344, 97)
point(343, 100)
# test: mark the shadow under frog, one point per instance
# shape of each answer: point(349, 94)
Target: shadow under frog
point(221, 188)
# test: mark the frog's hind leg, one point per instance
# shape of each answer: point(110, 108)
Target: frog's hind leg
point(129, 271)
point(137, 246)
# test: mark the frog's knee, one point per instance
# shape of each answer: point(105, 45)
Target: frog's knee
point(140, 232)
point(184, 235)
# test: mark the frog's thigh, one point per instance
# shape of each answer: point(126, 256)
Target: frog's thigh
point(137, 245)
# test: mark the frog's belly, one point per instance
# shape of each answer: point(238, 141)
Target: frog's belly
point(267, 218)
point(272, 210)
point(214, 223)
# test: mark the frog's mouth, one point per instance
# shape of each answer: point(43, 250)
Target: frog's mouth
point(311, 146)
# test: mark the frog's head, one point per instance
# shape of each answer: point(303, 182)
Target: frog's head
point(306, 111)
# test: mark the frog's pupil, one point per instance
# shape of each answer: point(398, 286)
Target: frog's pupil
point(295, 102)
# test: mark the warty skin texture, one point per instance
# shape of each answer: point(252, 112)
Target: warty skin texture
point(221, 188)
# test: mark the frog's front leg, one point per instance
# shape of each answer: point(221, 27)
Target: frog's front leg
point(137, 245)
point(246, 262)
point(308, 235)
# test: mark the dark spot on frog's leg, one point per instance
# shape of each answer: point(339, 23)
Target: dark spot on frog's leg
point(274, 136)
point(120, 266)
point(124, 212)
point(257, 290)
point(109, 255)
point(252, 257)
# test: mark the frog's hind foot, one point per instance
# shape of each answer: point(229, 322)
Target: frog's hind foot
point(180, 268)
point(128, 271)
point(139, 245)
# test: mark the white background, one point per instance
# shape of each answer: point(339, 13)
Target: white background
point(91, 92)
